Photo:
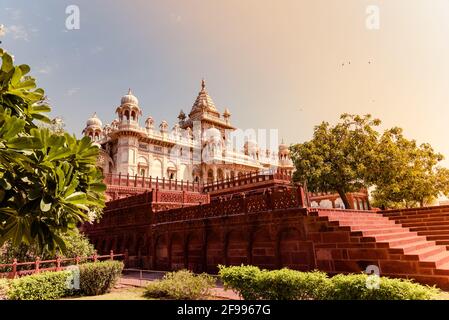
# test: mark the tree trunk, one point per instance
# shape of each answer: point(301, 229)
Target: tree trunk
point(368, 203)
point(344, 198)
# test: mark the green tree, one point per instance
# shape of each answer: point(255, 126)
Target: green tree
point(48, 182)
point(352, 155)
point(407, 174)
point(338, 157)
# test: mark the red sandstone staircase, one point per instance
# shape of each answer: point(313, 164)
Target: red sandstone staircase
point(374, 238)
point(431, 222)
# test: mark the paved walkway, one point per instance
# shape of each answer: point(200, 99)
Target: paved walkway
point(218, 292)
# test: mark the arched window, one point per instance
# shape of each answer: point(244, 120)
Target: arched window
point(220, 175)
point(127, 114)
point(210, 176)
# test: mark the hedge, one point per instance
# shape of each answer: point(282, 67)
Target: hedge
point(254, 284)
point(353, 287)
point(4, 287)
point(99, 277)
point(95, 278)
point(181, 285)
point(41, 286)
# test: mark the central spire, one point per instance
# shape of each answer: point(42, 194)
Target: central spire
point(203, 101)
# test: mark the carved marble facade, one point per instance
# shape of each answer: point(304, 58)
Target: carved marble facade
point(198, 148)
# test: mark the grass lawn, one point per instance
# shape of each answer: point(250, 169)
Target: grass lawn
point(123, 293)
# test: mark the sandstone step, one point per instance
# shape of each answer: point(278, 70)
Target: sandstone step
point(430, 228)
point(435, 260)
point(421, 254)
point(437, 237)
point(395, 236)
point(439, 209)
point(360, 221)
point(379, 231)
point(403, 241)
point(420, 220)
point(379, 226)
point(352, 215)
point(442, 269)
point(417, 239)
point(434, 232)
point(425, 224)
point(412, 247)
point(442, 242)
point(371, 226)
point(419, 215)
point(364, 222)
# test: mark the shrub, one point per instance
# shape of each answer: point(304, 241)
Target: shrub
point(181, 285)
point(99, 277)
point(4, 287)
point(288, 284)
point(242, 279)
point(253, 283)
point(41, 286)
point(353, 287)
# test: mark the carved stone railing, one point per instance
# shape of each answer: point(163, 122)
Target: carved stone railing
point(150, 182)
point(247, 179)
point(292, 197)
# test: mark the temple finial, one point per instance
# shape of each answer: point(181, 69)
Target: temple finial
point(129, 91)
point(203, 84)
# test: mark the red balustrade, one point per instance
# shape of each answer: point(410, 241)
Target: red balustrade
point(18, 269)
point(136, 181)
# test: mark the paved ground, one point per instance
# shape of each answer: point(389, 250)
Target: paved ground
point(137, 279)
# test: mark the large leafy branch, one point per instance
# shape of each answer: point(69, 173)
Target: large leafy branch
point(48, 182)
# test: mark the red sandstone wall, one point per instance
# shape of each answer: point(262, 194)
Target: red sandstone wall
point(269, 230)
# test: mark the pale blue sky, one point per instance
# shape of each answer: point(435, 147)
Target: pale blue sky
point(274, 64)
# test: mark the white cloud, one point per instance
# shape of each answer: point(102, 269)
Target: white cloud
point(176, 18)
point(97, 50)
point(72, 91)
point(44, 70)
point(14, 14)
point(18, 32)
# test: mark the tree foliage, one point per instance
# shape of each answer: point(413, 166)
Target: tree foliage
point(77, 244)
point(407, 174)
point(48, 181)
point(353, 155)
point(338, 157)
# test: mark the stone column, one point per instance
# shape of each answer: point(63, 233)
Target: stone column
point(215, 173)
